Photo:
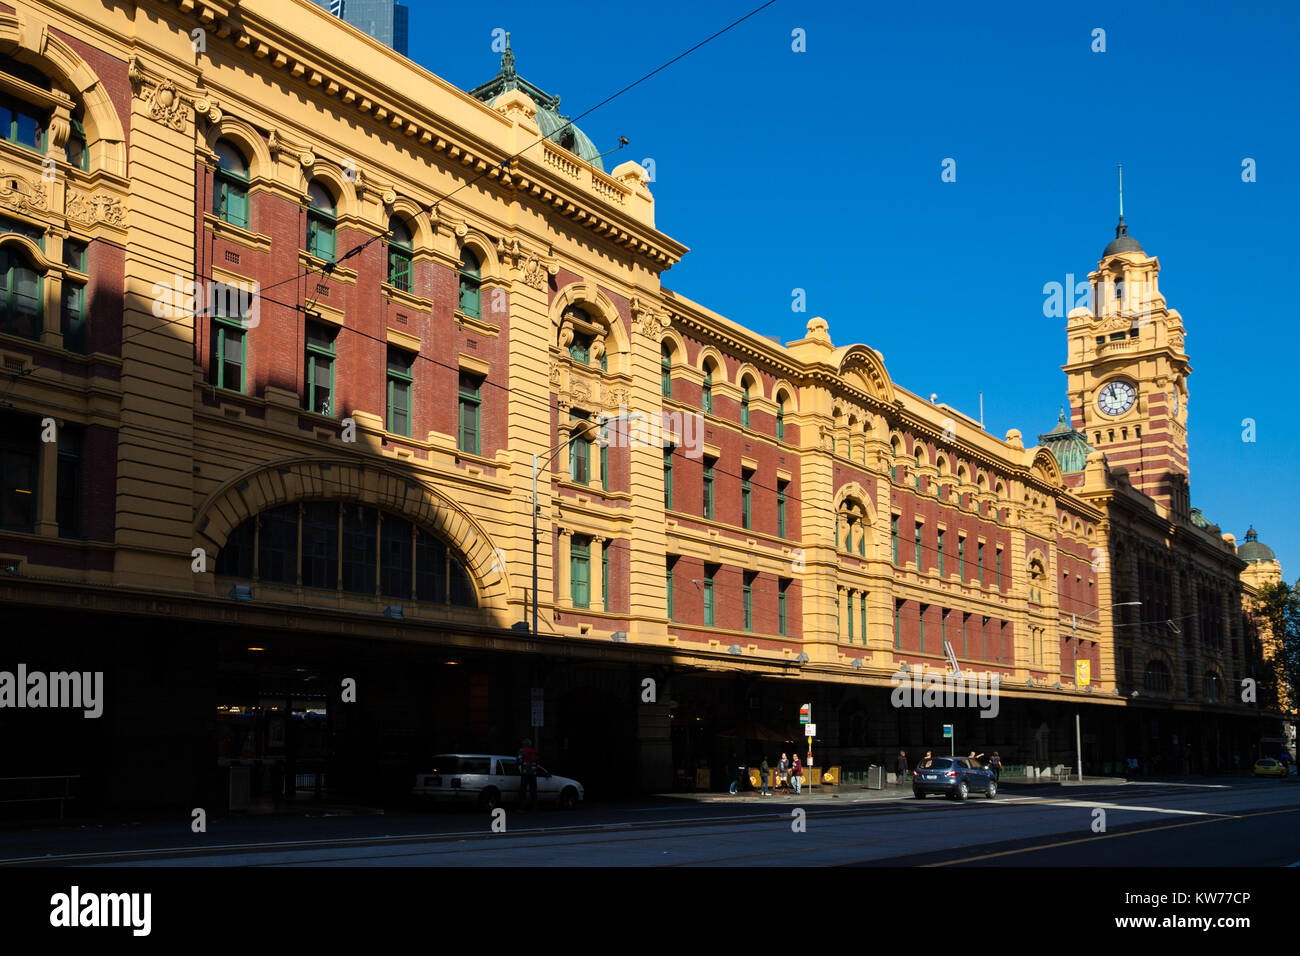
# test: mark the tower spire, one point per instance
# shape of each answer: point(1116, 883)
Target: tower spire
point(1121, 173)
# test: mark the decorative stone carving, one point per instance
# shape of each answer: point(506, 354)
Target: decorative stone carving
point(647, 323)
point(206, 107)
point(166, 104)
point(273, 144)
point(307, 159)
point(616, 396)
point(88, 209)
point(534, 273)
point(19, 192)
point(555, 373)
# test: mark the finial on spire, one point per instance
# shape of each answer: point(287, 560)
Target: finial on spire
point(1121, 168)
point(507, 57)
point(1061, 419)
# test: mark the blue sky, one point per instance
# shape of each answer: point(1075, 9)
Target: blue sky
point(820, 170)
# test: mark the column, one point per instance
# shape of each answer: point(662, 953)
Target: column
point(47, 498)
point(597, 579)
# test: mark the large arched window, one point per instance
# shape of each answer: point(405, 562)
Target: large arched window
point(744, 404)
point(471, 279)
point(230, 185)
point(20, 296)
point(346, 547)
point(400, 248)
point(322, 222)
point(22, 122)
point(666, 370)
point(780, 417)
point(706, 396)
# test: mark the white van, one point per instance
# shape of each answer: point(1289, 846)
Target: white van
point(490, 780)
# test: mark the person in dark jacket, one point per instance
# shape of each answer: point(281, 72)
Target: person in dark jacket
point(764, 778)
point(995, 764)
point(902, 767)
point(527, 761)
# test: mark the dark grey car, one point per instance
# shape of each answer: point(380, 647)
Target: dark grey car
point(954, 777)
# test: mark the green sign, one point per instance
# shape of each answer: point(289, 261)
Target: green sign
point(947, 731)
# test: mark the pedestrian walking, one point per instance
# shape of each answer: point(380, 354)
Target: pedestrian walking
point(527, 760)
point(995, 764)
point(796, 773)
point(764, 778)
point(783, 772)
point(902, 767)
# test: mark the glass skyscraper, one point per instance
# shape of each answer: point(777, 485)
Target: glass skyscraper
point(385, 20)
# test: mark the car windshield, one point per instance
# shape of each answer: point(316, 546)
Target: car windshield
point(937, 763)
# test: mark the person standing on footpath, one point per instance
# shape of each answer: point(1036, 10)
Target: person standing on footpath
point(764, 778)
point(527, 775)
point(995, 764)
point(782, 769)
point(902, 767)
point(796, 774)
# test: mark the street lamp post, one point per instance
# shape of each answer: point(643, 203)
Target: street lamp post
point(1074, 643)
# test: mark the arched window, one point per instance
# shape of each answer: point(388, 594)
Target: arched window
point(471, 279)
point(706, 397)
point(916, 475)
point(780, 418)
point(78, 153)
point(20, 298)
point(1212, 687)
point(1157, 677)
point(744, 404)
point(412, 564)
point(322, 222)
point(579, 448)
point(399, 254)
point(229, 185)
point(666, 370)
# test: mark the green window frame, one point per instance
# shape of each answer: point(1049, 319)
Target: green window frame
point(470, 285)
point(747, 593)
point(580, 348)
point(893, 536)
point(72, 317)
point(706, 395)
point(580, 571)
point(862, 539)
point(744, 405)
point(920, 619)
point(780, 509)
point(979, 550)
point(22, 310)
point(319, 362)
point(961, 559)
point(76, 149)
point(848, 600)
point(401, 250)
point(919, 529)
point(746, 495)
point(604, 467)
point(898, 624)
point(780, 418)
point(579, 450)
point(400, 385)
point(668, 585)
point(862, 608)
point(604, 575)
point(781, 622)
point(22, 123)
point(469, 403)
point(707, 483)
point(229, 358)
point(916, 474)
point(666, 371)
point(708, 600)
point(322, 223)
point(939, 536)
point(998, 559)
point(668, 479)
point(964, 618)
point(943, 627)
point(230, 185)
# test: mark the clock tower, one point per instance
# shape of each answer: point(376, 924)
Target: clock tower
point(1127, 373)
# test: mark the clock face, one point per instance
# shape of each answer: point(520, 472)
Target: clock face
point(1116, 398)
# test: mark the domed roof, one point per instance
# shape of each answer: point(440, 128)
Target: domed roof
point(1070, 447)
point(558, 129)
point(1122, 242)
point(1253, 550)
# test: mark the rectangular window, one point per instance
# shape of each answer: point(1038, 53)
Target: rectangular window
point(277, 545)
point(68, 489)
point(23, 124)
point(898, 624)
point(943, 628)
point(980, 559)
point(893, 536)
point(395, 546)
point(964, 619)
point(780, 509)
point(229, 355)
point(707, 507)
point(939, 535)
point(668, 584)
point(747, 594)
point(998, 559)
point(604, 467)
point(430, 568)
point(72, 317)
point(604, 575)
point(319, 387)
point(579, 453)
point(745, 495)
point(920, 620)
point(862, 611)
point(848, 597)
point(320, 545)
point(580, 349)
point(919, 564)
point(708, 597)
point(580, 571)
point(399, 391)
point(668, 479)
point(470, 401)
point(399, 267)
point(360, 548)
point(782, 586)
point(961, 559)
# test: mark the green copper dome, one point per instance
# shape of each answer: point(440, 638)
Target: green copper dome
point(1253, 550)
point(554, 127)
point(1068, 446)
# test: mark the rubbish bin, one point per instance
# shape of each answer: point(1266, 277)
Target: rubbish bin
point(875, 777)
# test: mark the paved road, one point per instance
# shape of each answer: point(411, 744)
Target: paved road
point(1241, 822)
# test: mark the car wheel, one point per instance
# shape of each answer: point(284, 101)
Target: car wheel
point(992, 791)
point(489, 799)
point(963, 791)
point(568, 799)
point(918, 794)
